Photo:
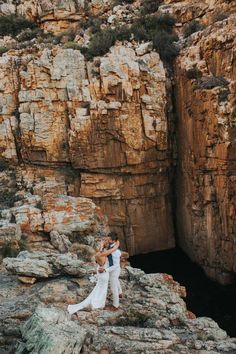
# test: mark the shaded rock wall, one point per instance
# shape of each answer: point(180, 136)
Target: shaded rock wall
point(205, 86)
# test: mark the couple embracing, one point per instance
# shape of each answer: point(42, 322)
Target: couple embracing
point(108, 270)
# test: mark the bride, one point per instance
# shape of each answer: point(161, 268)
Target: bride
point(97, 298)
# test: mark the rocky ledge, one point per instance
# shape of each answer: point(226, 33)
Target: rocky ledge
point(54, 270)
point(153, 318)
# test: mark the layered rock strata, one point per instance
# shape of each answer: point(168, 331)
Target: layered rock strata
point(105, 122)
point(206, 91)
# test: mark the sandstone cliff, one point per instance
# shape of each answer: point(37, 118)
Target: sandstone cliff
point(106, 128)
point(205, 86)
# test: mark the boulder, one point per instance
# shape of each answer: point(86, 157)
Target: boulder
point(60, 242)
point(43, 265)
point(50, 331)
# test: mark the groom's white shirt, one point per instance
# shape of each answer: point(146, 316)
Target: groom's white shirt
point(114, 273)
point(116, 261)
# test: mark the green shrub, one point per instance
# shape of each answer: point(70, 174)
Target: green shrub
point(150, 6)
point(163, 42)
point(193, 73)
point(133, 318)
point(3, 50)
point(223, 95)
point(121, 2)
point(155, 28)
point(212, 81)
point(8, 250)
point(94, 23)
point(72, 45)
point(192, 27)
point(102, 41)
point(11, 249)
point(4, 165)
point(29, 34)
point(13, 25)
point(220, 16)
point(8, 198)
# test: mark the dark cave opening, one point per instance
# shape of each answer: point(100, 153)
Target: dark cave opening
point(204, 296)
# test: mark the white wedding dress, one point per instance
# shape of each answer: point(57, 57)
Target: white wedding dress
point(97, 298)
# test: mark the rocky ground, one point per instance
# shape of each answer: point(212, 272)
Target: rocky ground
point(38, 284)
point(141, 126)
point(129, 127)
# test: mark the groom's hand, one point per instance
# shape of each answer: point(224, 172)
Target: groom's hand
point(101, 270)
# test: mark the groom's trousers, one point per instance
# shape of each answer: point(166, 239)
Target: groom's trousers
point(115, 286)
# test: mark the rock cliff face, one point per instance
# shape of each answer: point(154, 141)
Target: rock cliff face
point(106, 128)
point(205, 86)
point(105, 122)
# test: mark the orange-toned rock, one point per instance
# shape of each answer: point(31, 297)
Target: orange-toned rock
point(206, 189)
point(105, 123)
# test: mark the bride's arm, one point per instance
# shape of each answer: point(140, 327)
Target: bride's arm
point(113, 249)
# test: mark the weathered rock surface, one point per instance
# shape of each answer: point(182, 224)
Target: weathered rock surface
point(204, 12)
point(206, 189)
point(104, 129)
point(107, 122)
point(43, 265)
point(152, 319)
point(55, 15)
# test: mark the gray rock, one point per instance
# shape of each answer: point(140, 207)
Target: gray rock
point(60, 242)
point(50, 331)
point(43, 265)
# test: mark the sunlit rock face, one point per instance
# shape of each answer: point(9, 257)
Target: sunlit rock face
point(105, 129)
point(205, 78)
point(105, 122)
point(55, 15)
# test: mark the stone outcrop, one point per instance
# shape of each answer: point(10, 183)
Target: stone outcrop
point(104, 129)
point(203, 12)
point(49, 223)
point(154, 322)
point(42, 265)
point(106, 123)
point(55, 15)
point(206, 87)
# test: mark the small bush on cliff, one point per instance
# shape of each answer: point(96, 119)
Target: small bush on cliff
point(13, 25)
point(9, 250)
point(7, 198)
point(223, 95)
point(121, 2)
point(72, 45)
point(150, 6)
point(134, 318)
point(163, 42)
point(220, 16)
point(212, 81)
point(29, 34)
point(4, 165)
point(193, 73)
point(102, 41)
point(192, 27)
point(3, 50)
point(158, 29)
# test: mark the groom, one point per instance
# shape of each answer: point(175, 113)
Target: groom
point(114, 271)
